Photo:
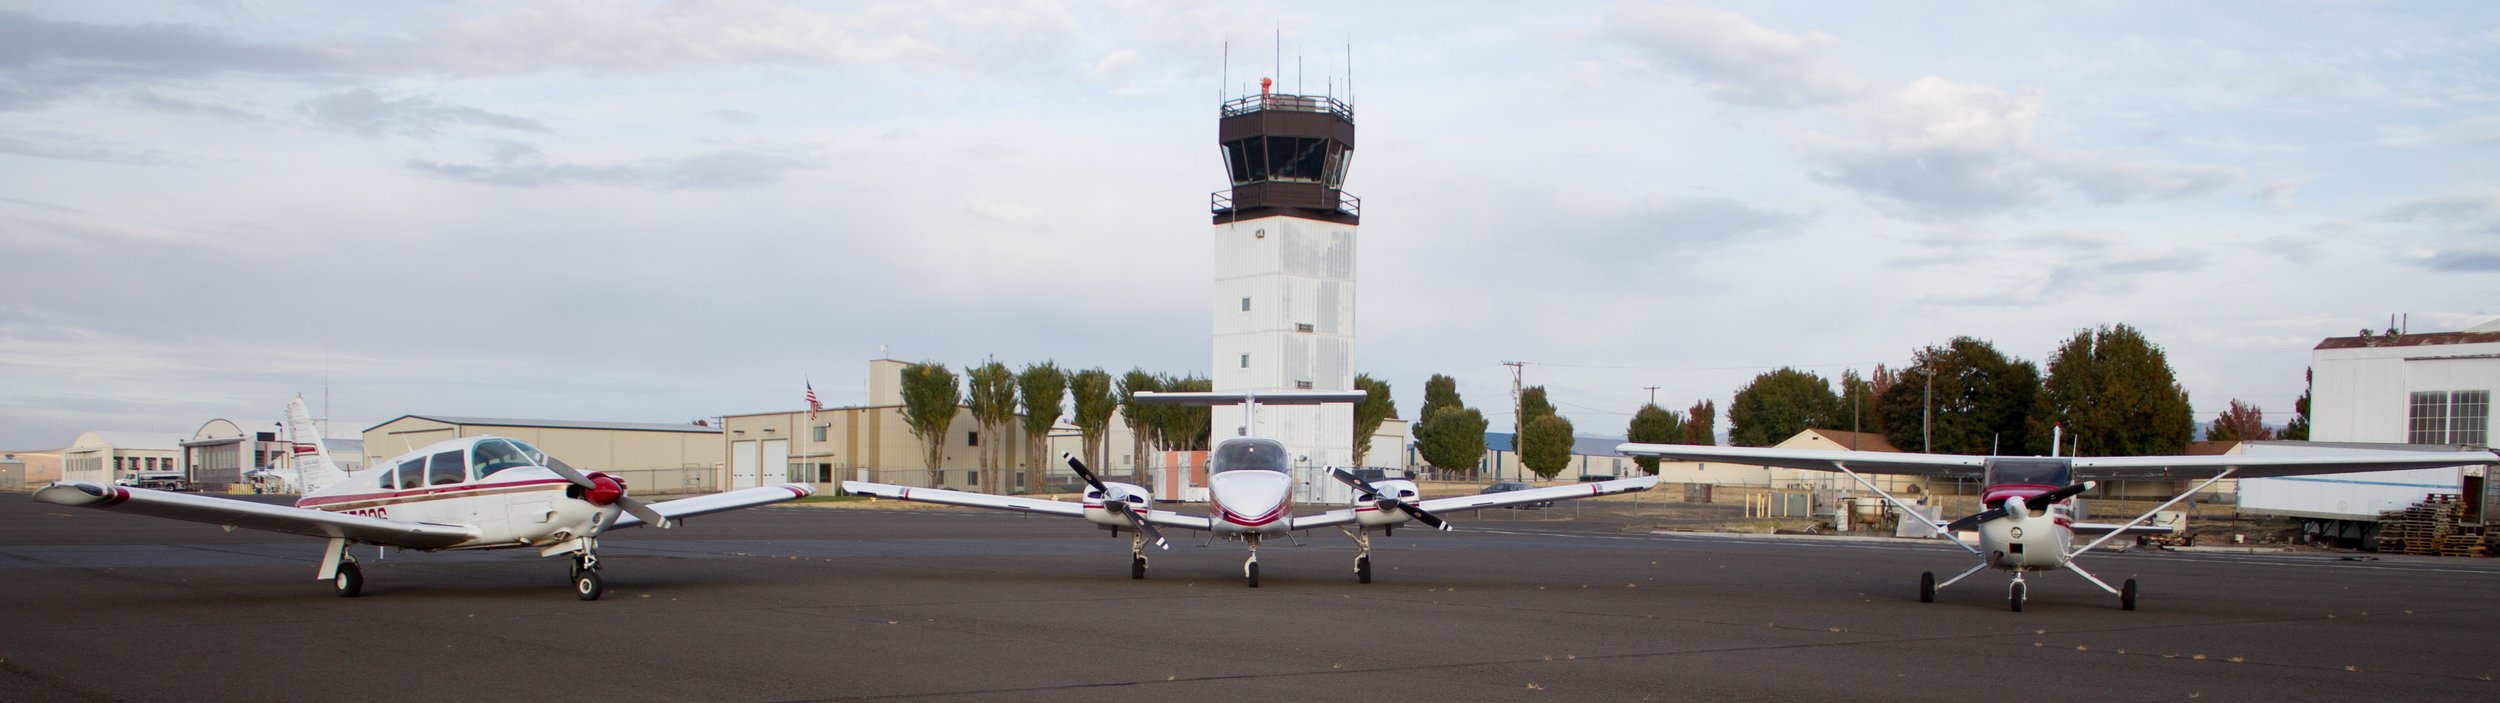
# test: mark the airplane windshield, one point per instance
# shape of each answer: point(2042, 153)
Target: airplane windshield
point(2037, 472)
point(1249, 455)
point(537, 457)
point(492, 455)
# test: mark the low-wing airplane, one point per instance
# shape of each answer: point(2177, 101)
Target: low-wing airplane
point(2028, 518)
point(1250, 493)
point(458, 494)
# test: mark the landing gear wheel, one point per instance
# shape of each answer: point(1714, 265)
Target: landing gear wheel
point(1253, 574)
point(586, 585)
point(2126, 595)
point(2014, 596)
point(1137, 567)
point(1927, 587)
point(1363, 569)
point(350, 581)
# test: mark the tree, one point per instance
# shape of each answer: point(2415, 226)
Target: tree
point(1701, 423)
point(1141, 419)
point(1090, 389)
point(1654, 425)
point(2298, 428)
point(1185, 428)
point(993, 402)
point(1857, 404)
point(1456, 440)
point(2114, 392)
point(1042, 388)
point(1982, 399)
point(2241, 422)
point(1779, 404)
point(1439, 392)
point(1370, 414)
point(931, 395)
point(1533, 405)
point(1545, 445)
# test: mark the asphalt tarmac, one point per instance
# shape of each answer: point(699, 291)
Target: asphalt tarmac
point(805, 604)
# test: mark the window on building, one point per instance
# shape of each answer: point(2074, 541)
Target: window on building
point(1245, 303)
point(1245, 361)
point(820, 433)
point(2430, 418)
point(1302, 327)
point(1302, 385)
point(972, 439)
point(2469, 418)
point(972, 478)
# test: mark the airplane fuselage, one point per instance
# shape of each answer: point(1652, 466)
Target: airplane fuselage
point(523, 505)
point(2032, 538)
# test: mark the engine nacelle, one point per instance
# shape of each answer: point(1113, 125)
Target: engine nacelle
point(1130, 494)
point(1368, 512)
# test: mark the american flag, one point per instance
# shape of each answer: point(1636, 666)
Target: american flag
point(812, 407)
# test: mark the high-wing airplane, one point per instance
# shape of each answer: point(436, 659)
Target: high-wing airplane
point(2028, 518)
point(1250, 493)
point(466, 493)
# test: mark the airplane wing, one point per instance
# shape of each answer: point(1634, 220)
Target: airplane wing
point(1893, 463)
point(1495, 500)
point(1160, 518)
point(2270, 465)
point(258, 516)
point(683, 508)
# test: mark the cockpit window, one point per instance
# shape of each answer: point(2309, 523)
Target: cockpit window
point(1249, 455)
point(412, 473)
point(538, 457)
point(2037, 472)
point(492, 455)
point(446, 467)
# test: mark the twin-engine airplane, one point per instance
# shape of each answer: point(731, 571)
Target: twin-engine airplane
point(467, 493)
point(1250, 493)
point(2028, 518)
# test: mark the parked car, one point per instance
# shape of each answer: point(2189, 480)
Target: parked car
point(1508, 486)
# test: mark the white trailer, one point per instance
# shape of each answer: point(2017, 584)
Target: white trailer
point(2344, 508)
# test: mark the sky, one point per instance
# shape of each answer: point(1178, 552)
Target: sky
point(663, 211)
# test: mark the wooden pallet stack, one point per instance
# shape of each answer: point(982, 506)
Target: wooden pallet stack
point(2433, 527)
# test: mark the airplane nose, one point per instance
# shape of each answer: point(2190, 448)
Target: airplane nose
point(1251, 494)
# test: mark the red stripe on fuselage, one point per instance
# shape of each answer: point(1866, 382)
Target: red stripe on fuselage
point(415, 495)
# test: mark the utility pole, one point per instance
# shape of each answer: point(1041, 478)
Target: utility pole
point(1518, 423)
point(1653, 394)
point(1927, 416)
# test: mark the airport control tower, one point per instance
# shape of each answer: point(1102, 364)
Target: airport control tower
point(1284, 269)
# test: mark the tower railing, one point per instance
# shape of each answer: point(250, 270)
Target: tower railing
point(1220, 202)
point(1289, 103)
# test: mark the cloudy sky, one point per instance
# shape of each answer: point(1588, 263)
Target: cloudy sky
point(658, 211)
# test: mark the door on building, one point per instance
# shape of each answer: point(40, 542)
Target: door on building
point(777, 458)
point(743, 462)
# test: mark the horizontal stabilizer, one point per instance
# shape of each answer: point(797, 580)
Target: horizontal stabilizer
point(1239, 397)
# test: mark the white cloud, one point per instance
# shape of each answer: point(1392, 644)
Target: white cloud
point(1733, 58)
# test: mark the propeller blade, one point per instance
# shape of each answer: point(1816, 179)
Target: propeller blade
point(2060, 494)
point(1082, 472)
point(643, 510)
point(570, 474)
point(1423, 517)
point(1974, 520)
point(1139, 522)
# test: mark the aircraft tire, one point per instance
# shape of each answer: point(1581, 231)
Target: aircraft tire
point(1254, 574)
point(2126, 595)
point(587, 586)
point(1927, 587)
point(1137, 568)
point(1363, 569)
point(350, 581)
point(2014, 596)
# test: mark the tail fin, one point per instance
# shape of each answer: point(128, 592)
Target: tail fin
point(312, 456)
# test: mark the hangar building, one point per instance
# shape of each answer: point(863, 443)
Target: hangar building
point(104, 455)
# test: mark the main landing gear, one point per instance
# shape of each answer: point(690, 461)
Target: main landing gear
point(2019, 590)
point(350, 580)
point(1137, 555)
point(1362, 556)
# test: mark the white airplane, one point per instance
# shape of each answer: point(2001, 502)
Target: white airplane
point(2029, 518)
point(458, 494)
point(1250, 493)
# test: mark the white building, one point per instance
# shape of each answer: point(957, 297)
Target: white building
point(1284, 273)
point(2424, 389)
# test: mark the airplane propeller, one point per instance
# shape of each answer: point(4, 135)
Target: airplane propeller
point(1999, 511)
point(1116, 502)
point(604, 490)
point(1385, 502)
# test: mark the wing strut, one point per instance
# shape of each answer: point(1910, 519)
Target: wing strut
point(1906, 511)
point(2148, 515)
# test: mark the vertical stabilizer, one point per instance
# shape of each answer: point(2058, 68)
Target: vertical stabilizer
point(312, 456)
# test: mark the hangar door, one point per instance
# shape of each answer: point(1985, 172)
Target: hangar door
point(777, 459)
point(743, 460)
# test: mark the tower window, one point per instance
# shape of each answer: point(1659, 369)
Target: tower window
point(1245, 303)
point(1301, 327)
point(1302, 385)
point(1245, 361)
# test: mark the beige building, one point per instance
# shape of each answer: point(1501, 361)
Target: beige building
point(651, 457)
point(34, 468)
point(220, 451)
point(104, 455)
